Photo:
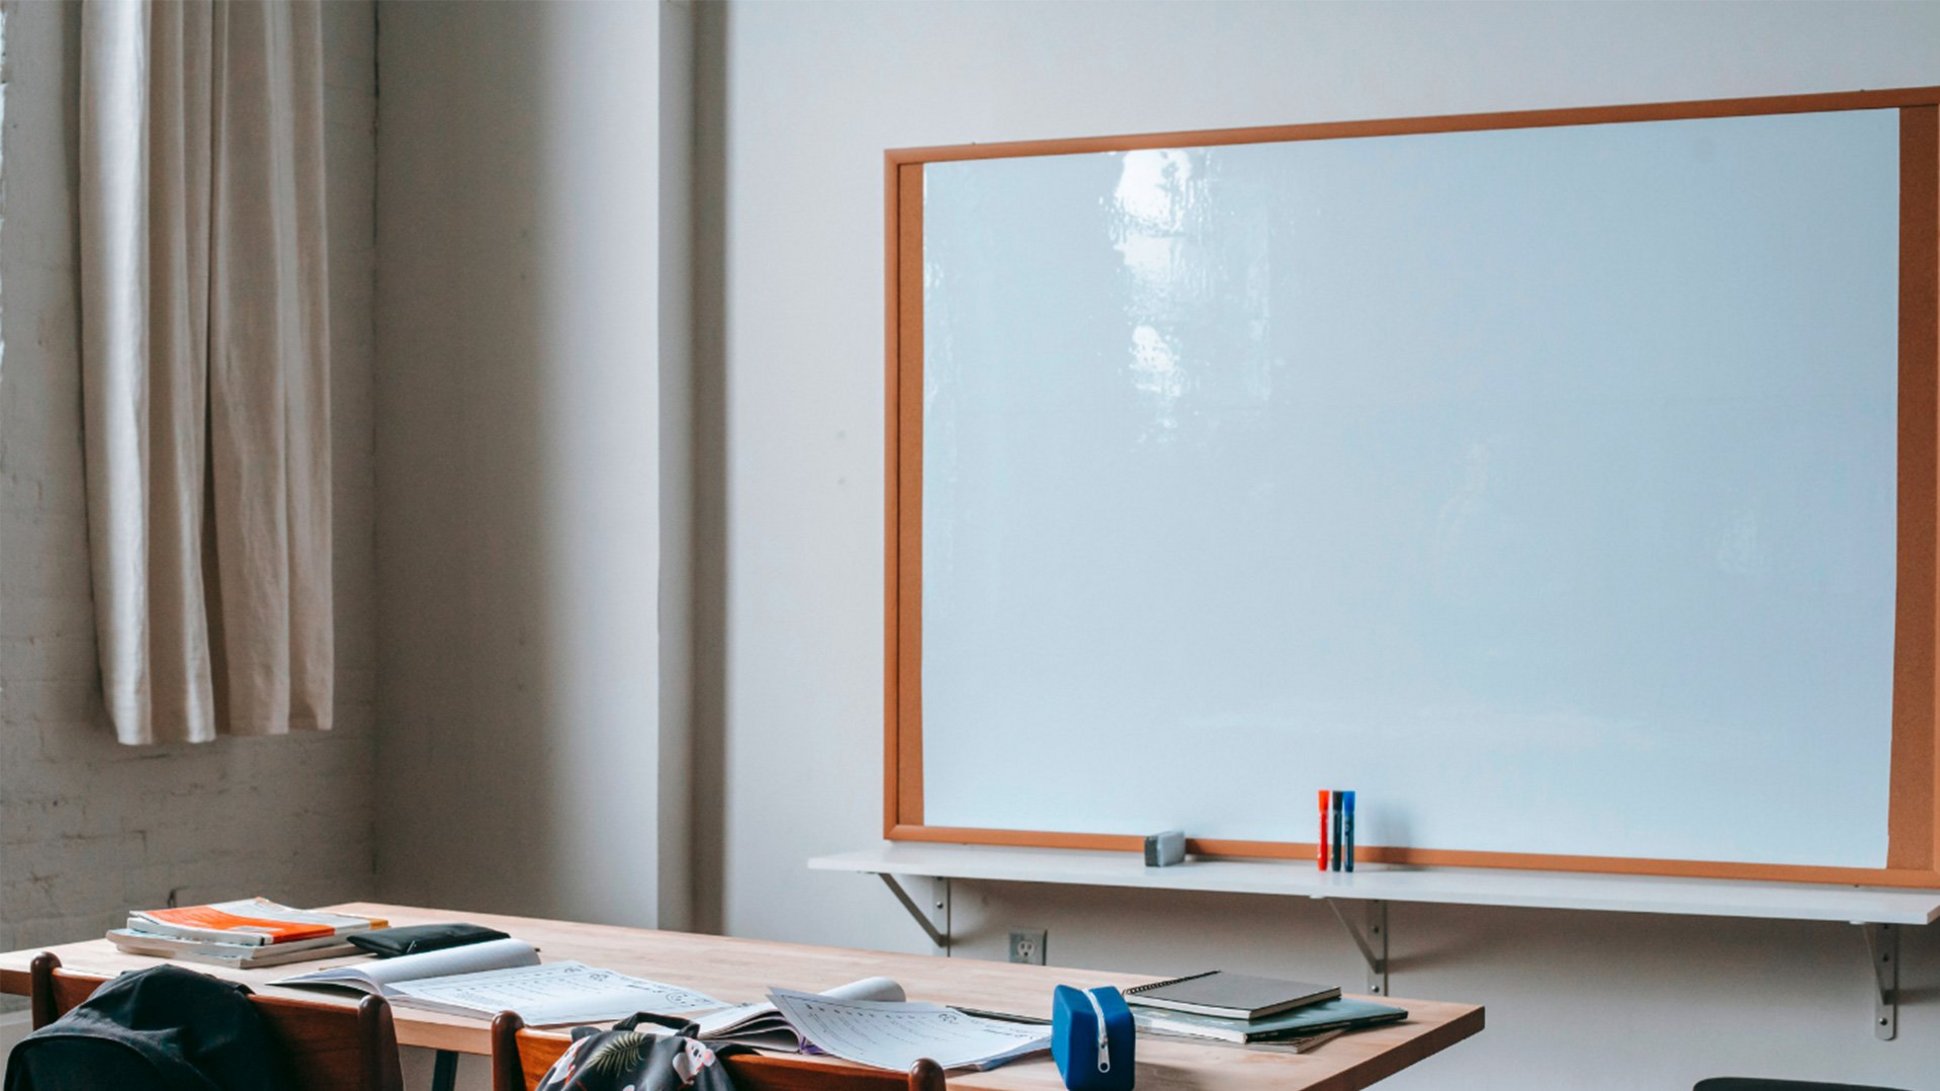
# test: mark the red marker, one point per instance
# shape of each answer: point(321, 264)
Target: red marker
point(1320, 846)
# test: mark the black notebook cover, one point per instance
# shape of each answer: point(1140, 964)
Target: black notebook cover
point(1230, 995)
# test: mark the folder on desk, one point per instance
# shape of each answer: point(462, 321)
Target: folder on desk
point(1338, 1014)
point(1228, 995)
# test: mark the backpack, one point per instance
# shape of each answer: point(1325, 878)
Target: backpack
point(628, 1059)
point(161, 1029)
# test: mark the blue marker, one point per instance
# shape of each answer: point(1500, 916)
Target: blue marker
point(1347, 831)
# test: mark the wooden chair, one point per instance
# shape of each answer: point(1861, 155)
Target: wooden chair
point(520, 1057)
point(328, 1047)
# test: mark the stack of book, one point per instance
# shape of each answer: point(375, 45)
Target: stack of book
point(240, 935)
point(1246, 1009)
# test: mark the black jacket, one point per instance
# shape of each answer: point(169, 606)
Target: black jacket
point(164, 1029)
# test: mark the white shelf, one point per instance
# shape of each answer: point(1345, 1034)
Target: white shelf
point(1447, 886)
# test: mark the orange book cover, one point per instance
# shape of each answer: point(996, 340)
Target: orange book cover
point(257, 921)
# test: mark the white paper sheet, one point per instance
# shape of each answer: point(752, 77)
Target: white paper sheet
point(897, 1035)
point(380, 976)
point(552, 994)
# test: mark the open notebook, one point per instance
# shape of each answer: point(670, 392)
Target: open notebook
point(763, 1026)
point(483, 979)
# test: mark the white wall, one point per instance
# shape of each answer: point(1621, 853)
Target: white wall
point(524, 763)
point(789, 481)
point(89, 828)
point(676, 428)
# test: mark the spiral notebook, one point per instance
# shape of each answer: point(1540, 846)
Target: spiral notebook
point(1230, 995)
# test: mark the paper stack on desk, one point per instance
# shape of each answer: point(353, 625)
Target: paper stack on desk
point(1287, 1027)
point(1247, 1009)
point(240, 935)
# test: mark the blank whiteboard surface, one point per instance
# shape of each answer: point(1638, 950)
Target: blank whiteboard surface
point(1537, 484)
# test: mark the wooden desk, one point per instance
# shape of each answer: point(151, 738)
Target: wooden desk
point(743, 969)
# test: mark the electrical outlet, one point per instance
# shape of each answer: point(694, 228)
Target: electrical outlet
point(1027, 946)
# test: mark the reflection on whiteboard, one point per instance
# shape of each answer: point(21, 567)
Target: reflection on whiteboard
point(1539, 485)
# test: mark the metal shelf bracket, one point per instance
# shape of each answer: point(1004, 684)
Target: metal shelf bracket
point(931, 913)
point(1883, 946)
point(1372, 939)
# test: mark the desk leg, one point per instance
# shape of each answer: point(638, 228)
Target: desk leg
point(444, 1071)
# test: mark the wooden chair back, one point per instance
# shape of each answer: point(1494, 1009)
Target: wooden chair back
point(53, 992)
point(327, 1047)
point(520, 1057)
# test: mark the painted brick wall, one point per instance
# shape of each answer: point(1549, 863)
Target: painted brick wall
point(89, 828)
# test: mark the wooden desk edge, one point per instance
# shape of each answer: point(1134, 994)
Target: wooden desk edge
point(1438, 1038)
point(475, 1038)
point(433, 1030)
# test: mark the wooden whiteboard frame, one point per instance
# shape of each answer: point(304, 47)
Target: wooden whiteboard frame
point(1913, 818)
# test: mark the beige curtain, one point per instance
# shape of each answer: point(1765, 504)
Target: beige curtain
point(205, 365)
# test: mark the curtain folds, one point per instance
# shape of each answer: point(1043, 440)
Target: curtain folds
point(205, 365)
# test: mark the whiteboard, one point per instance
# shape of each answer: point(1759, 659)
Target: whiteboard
point(1537, 484)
